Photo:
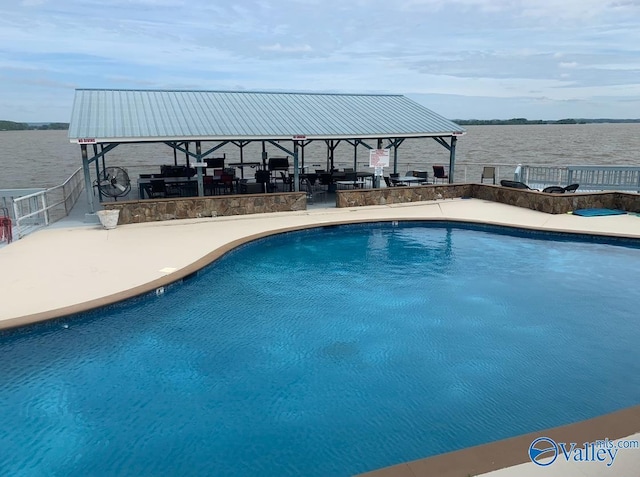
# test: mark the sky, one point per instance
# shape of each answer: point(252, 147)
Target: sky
point(464, 59)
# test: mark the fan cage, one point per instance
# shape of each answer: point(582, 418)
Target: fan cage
point(114, 182)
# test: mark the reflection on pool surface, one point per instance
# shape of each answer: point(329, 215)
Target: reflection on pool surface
point(328, 352)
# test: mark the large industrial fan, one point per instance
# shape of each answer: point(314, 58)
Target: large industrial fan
point(114, 182)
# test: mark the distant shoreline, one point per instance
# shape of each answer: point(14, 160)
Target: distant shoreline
point(13, 126)
point(518, 121)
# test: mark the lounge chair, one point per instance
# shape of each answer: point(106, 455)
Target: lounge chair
point(515, 185)
point(554, 190)
point(571, 187)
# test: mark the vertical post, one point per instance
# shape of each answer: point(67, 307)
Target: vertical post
point(265, 178)
point(376, 179)
point(296, 174)
point(43, 196)
point(199, 169)
point(186, 153)
point(98, 177)
point(264, 156)
point(333, 147)
point(328, 157)
point(87, 178)
point(452, 158)
point(95, 154)
point(16, 216)
point(241, 146)
point(395, 159)
point(355, 154)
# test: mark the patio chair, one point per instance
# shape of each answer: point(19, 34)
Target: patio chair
point(208, 185)
point(352, 178)
point(571, 187)
point(422, 175)
point(439, 173)
point(313, 194)
point(325, 179)
point(247, 187)
point(287, 180)
point(264, 178)
point(392, 182)
point(313, 178)
point(488, 172)
point(224, 185)
point(158, 189)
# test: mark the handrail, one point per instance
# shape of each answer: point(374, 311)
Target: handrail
point(619, 178)
point(41, 208)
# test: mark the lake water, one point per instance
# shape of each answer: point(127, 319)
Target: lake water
point(46, 158)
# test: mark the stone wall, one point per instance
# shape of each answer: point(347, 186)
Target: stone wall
point(626, 201)
point(223, 205)
point(556, 203)
point(400, 195)
point(543, 202)
point(211, 206)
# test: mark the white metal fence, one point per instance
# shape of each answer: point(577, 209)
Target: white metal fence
point(590, 178)
point(7, 196)
point(42, 207)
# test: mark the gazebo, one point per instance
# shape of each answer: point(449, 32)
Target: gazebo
point(104, 119)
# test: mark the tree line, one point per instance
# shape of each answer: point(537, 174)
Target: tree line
point(13, 126)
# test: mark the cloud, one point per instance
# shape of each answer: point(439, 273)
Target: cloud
point(287, 49)
point(465, 48)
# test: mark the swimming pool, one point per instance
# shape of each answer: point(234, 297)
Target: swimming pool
point(328, 352)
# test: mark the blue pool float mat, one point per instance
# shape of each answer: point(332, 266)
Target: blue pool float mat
point(598, 212)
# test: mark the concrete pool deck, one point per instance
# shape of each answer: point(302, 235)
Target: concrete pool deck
point(73, 267)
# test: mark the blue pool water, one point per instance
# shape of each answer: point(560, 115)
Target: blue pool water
point(328, 353)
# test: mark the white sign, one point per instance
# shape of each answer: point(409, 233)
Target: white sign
point(379, 158)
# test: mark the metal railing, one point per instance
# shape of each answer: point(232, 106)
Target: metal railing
point(605, 178)
point(593, 178)
point(541, 176)
point(7, 196)
point(43, 207)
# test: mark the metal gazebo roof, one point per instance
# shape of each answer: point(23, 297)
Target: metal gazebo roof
point(101, 115)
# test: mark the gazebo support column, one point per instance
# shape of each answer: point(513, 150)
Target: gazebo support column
point(199, 160)
point(452, 158)
point(88, 188)
point(296, 173)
